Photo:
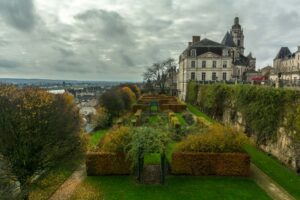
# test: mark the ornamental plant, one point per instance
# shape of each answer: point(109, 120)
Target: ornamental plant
point(215, 139)
point(116, 140)
point(146, 140)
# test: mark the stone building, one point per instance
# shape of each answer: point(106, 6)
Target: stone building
point(287, 65)
point(206, 60)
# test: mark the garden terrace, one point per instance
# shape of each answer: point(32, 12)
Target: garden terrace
point(219, 155)
point(164, 102)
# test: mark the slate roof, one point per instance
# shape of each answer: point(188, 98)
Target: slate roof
point(250, 56)
point(283, 53)
point(228, 40)
point(242, 61)
point(207, 43)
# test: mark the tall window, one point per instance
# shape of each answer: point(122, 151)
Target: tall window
point(214, 64)
point(224, 64)
point(203, 76)
point(214, 76)
point(224, 76)
point(193, 77)
point(193, 64)
point(203, 64)
point(193, 53)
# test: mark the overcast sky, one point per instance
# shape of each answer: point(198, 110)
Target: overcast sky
point(116, 39)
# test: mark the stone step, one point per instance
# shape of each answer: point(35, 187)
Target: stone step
point(151, 174)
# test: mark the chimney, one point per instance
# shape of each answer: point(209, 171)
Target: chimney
point(196, 39)
point(190, 44)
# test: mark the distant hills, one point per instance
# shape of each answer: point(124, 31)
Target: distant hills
point(50, 82)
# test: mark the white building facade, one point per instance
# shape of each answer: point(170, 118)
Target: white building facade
point(287, 65)
point(206, 60)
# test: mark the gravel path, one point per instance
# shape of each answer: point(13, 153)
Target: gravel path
point(68, 187)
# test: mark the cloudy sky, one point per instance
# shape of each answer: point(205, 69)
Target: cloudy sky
point(116, 39)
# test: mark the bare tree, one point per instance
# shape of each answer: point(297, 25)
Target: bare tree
point(157, 74)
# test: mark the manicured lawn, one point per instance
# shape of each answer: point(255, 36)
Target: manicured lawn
point(181, 119)
point(96, 136)
point(176, 188)
point(285, 177)
point(48, 183)
point(198, 113)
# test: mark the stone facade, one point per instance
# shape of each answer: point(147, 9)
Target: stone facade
point(206, 60)
point(284, 148)
point(287, 64)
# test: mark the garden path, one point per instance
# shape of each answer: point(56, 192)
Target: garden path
point(151, 174)
point(66, 190)
point(269, 186)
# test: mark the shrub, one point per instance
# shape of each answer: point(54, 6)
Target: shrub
point(112, 101)
point(188, 118)
point(217, 139)
point(192, 92)
point(105, 163)
point(115, 140)
point(146, 140)
point(128, 97)
point(203, 122)
point(102, 119)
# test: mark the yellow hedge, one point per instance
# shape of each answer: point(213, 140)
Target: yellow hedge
point(104, 163)
point(203, 164)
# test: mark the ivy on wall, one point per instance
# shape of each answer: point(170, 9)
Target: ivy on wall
point(264, 109)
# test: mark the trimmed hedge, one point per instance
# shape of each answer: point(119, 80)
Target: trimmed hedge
point(104, 163)
point(165, 103)
point(203, 164)
point(173, 107)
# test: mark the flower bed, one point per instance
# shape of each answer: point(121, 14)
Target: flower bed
point(220, 164)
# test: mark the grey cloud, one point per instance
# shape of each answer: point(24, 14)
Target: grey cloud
point(18, 13)
point(8, 64)
point(113, 42)
point(107, 25)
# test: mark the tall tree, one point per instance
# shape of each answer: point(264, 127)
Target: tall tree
point(37, 129)
point(113, 102)
point(157, 74)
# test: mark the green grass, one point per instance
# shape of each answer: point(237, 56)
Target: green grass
point(48, 183)
point(152, 158)
point(170, 150)
point(96, 136)
point(176, 188)
point(285, 177)
point(153, 119)
point(181, 119)
point(198, 113)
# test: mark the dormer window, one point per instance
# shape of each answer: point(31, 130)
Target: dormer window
point(225, 52)
point(193, 53)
